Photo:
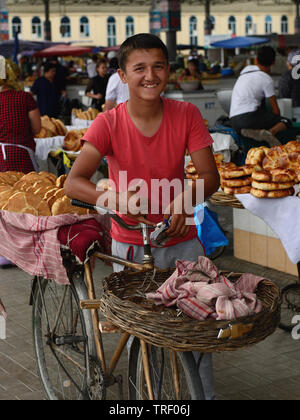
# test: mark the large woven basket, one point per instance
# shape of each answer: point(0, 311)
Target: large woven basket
point(219, 198)
point(125, 305)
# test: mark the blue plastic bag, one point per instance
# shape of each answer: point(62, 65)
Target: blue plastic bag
point(209, 232)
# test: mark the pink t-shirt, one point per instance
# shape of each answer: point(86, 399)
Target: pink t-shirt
point(159, 157)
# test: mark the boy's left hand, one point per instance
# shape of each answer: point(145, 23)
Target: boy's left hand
point(176, 209)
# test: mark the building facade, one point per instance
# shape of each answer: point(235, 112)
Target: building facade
point(108, 23)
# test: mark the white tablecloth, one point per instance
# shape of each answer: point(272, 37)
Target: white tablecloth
point(283, 217)
point(47, 145)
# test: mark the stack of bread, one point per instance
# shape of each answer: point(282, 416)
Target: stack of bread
point(276, 170)
point(72, 141)
point(40, 194)
point(89, 114)
point(190, 170)
point(273, 183)
point(51, 127)
point(235, 179)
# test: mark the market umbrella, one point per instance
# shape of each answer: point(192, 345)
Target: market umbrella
point(105, 49)
point(7, 47)
point(63, 50)
point(239, 42)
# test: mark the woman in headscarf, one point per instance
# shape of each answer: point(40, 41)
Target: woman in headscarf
point(19, 121)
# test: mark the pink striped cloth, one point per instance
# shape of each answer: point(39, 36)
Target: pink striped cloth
point(201, 292)
point(32, 242)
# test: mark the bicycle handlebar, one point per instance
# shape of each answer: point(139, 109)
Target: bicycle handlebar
point(111, 213)
point(142, 227)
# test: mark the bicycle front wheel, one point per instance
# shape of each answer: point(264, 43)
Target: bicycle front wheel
point(174, 376)
point(64, 342)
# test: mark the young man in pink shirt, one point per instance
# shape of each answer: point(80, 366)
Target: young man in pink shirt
point(145, 140)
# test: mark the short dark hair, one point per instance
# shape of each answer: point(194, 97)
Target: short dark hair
point(266, 56)
point(143, 41)
point(48, 66)
point(101, 61)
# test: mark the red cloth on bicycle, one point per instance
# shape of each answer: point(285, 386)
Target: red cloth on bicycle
point(32, 243)
point(81, 236)
point(201, 292)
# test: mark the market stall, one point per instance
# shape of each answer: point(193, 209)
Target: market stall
point(266, 206)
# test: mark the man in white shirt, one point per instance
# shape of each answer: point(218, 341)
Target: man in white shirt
point(116, 92)
point(91, 67)
point(253, 88)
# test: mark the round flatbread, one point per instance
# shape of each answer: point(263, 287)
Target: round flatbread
point(274, 175)
point(271, 186)
point(237, 182)
point(239, 172)
point(272, 194)
point(236, 190)
point(256, 155)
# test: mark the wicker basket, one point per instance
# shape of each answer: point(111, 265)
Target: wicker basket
point(124, 304)
point(219, 198)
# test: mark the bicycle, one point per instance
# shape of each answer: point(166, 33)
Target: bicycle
point(69, 340)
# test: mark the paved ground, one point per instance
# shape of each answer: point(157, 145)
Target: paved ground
point(269, 370)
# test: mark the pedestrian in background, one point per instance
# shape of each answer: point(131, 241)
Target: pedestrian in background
point(48, 95)
point(96, 88)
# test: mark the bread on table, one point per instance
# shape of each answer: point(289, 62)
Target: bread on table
point(272, 194)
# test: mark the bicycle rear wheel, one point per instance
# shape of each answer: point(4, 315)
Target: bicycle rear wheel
point(64, 342)
point(174, 376)
point(290, 306)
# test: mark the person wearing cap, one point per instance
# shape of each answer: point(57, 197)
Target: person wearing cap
point(289, 83)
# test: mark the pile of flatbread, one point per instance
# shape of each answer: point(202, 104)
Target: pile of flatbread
point(235, 179)
point(277, 170)
point(39, 194)
point(51, 127)
point(89, 114)
point(72, 141)
point(190, 170)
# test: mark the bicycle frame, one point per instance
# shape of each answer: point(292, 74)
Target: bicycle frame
point(93, 305)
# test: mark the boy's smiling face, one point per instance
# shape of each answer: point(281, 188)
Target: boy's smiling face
point(147, 73)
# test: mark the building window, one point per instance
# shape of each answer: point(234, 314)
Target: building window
point(129, 26)
point(248, 25)
point(284, 24)
point(84, 27)
point(232, 24)
point(36, 27)
point(16, 26)
point(111, 32)
point(193, 30)
point(65, 27)
point(268, 24)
